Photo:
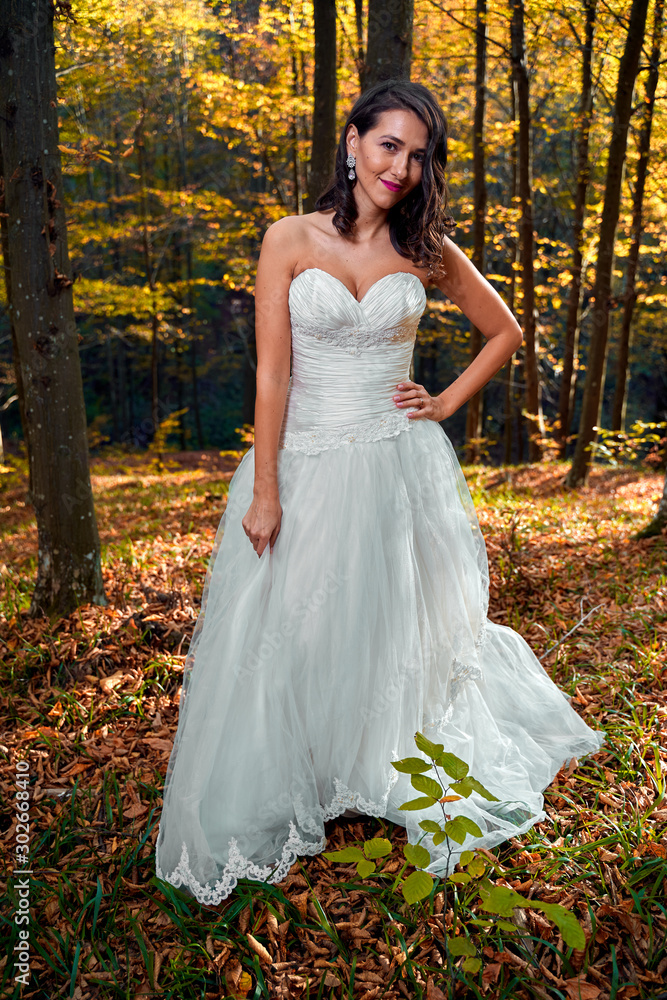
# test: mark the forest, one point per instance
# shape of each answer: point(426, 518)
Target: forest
point(185, 131)
point(144, 151)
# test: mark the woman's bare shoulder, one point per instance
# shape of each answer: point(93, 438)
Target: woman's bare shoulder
point(293, 236)
point(291, 227)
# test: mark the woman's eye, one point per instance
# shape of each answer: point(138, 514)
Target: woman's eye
point(389, 144)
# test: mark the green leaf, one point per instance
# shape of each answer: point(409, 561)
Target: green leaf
point(453, 766)
point(423, 803)
point(365, 868)
point(460, 878)
point(378, 847)
point(416, 886)
point(461, 946)
point(484, 792)
point(439, 837)
point(347, 854)
point(455, 830)
point(470, 826)
point(430, 749)
point(565, 921)
point(501, 900)
point(480, 923)
point(476, 867)
point(430, 826)
point(472, 965)
point(426, 785)
point(505, 926)
point(463, 788)
point(469, 785)
point(466, 857)
point(417, 855)
point(411, 765)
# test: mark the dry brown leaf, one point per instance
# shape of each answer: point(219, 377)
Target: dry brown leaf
point(259, 949)
point(433, 992)
point(578, 989)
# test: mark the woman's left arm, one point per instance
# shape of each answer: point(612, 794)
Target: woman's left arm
point(483, 306)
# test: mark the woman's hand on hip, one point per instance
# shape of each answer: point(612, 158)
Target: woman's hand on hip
point(428, 407)
point(261, 522)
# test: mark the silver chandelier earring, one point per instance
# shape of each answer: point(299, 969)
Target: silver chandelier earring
point(351, 162)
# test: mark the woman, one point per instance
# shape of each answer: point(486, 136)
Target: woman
point(345, 603)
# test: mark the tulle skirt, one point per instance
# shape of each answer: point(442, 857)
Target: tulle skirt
point(312, 667)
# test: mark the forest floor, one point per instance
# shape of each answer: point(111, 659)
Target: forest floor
point(90, 702)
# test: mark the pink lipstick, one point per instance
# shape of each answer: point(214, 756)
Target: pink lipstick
point(392, 187)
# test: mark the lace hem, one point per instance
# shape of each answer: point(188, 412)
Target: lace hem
point(345, 798)
point(240, 867)
point(312, 442)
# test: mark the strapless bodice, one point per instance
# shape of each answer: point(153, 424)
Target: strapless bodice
point(347, 358)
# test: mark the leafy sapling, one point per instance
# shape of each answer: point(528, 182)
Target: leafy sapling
point(499, 900)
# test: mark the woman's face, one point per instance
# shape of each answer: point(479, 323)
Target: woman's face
point(390, 157)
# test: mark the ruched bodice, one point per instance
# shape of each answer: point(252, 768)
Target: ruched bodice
point(347, 358)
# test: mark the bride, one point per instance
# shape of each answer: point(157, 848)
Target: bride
point(345, 602)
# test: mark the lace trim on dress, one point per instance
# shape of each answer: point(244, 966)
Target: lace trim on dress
point(240, 867)
point(312, 442)
point(357, 338)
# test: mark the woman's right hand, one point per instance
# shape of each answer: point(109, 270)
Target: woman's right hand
point(261, 522)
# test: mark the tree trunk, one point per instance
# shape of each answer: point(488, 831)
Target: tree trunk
point(183, 119)
point(113, 398)
point(659, 522)
point(4, 235)
point(511, 364)
point(389, 44)
point(474, 408)
point(534, 414)
point(644, 149)
point(324, 138)
point(571, 348)
point(359, 25)
point(249, 369)
point(195, 392)
point(41, 313)
point(597, 351)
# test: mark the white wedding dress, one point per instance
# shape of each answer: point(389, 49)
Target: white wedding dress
point(312, 667)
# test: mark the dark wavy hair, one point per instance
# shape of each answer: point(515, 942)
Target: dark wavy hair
point(419, 221)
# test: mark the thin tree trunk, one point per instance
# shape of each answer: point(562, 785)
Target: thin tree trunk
point(249, 370)
point(294, 127)
point(149, 268)
point(183, 118)
point(113, 397)
point(512, 363)
point(474, 408)
point(526, 234)
point(573, 324)
point(361, 54)
point(39, 292)
point(659, 522)
point(389, 44)
point(195, 389)
point(324, 138)
point(590, 408)
point(630, 297)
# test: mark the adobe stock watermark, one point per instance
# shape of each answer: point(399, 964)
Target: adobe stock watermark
point(22, 868)
point(300, 612)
